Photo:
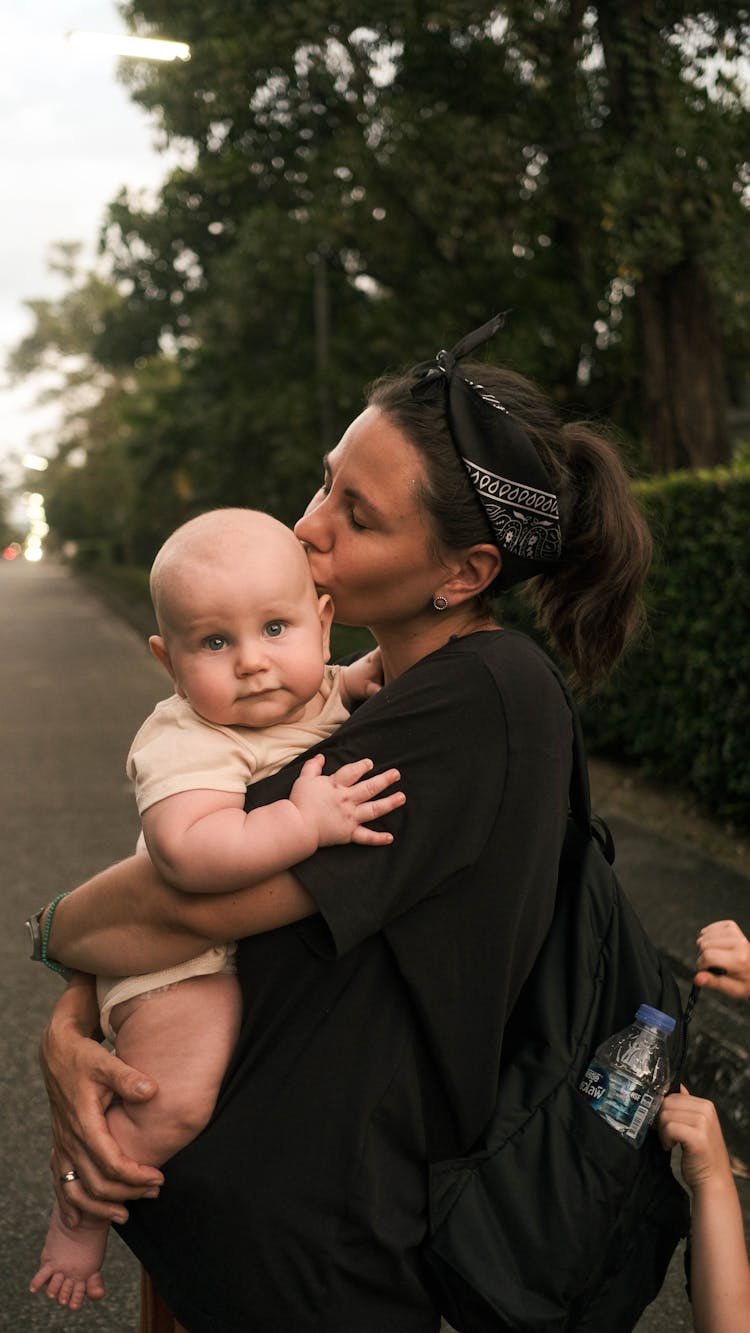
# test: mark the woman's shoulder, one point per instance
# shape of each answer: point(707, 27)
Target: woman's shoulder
point(502, 657)
point(486, 679)
point(505, 670)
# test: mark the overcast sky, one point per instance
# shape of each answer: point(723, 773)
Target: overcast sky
point(69, 139)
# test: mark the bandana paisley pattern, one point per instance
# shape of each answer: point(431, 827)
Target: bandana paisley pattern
point(525, 520)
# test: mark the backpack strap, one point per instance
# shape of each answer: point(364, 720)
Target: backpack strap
point(594, 826)
point(579, 796)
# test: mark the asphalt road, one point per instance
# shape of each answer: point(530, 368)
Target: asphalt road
point(75, 683)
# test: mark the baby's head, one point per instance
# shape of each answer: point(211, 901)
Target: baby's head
point(243, 633)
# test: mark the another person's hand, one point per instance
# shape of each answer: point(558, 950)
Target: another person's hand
point(693, 1123)
point(339, 805)
point(722, 945)
point(82, 1078)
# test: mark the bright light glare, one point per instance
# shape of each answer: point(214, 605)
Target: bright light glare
point(35, 462)
point(139, 48)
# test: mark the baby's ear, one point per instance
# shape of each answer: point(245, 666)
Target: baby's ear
point(159, 649)
point(325, 611)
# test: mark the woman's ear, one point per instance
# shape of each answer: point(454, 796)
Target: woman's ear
point(478, 567)
point(325, 611)
point(159, 649)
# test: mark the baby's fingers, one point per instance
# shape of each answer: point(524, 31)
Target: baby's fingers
point(370, 837)
point(370, 788)
point(366, 811)
point(312, 768)
point(350, 774)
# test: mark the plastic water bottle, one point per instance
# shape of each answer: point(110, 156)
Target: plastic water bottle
point(629, 1074)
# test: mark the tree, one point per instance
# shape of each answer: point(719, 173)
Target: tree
point(566, 157)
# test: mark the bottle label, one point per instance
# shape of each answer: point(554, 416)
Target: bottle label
point(625, 1103)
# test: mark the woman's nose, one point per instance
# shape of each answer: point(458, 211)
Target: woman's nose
point(312, 528)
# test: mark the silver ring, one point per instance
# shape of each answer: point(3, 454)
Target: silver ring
point(69, 1175)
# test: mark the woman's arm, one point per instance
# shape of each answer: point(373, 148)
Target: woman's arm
point(82, 1078)
point(122, 921)
point(127, 919)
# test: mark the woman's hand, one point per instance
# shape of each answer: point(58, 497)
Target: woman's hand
point(82, 1078)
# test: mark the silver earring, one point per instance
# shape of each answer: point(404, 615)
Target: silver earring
point(439, 602)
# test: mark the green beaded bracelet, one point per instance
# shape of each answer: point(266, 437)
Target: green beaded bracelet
point(50, 962)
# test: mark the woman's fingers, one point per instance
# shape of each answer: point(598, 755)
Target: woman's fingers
point(80, 1093)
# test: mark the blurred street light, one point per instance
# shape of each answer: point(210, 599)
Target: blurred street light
point(138, 48)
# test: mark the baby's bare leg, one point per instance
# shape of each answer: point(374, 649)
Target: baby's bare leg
point(182, 1037)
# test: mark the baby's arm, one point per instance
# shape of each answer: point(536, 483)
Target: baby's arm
point(723, 945)
point(361, 679)
point(720, 1278)
point(204, 842)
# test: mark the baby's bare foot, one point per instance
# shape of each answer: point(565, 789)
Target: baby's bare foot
point(72, 1257)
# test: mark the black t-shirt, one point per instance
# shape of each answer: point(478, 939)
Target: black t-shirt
point(303, 1205)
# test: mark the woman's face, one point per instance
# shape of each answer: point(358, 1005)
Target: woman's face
point(370, 543)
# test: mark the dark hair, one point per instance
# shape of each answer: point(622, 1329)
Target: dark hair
point(589, 604)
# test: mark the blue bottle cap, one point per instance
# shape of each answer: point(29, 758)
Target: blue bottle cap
point(654, 1018)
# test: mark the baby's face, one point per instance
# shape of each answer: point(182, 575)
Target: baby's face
point(248, 652)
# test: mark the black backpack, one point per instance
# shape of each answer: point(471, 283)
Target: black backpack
point(555, 1222)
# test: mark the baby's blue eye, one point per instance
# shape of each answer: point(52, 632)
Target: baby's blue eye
point(274, 629)
point(214, 643)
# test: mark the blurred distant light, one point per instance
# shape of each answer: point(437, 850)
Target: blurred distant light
point(33, 553)
point(35, 462)
point(139, 48)
point(11, 551)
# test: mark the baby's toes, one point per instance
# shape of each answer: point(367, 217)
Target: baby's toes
point(95, 1287)
point(77, 1294)
point(39, 1279)
point(54, 1286)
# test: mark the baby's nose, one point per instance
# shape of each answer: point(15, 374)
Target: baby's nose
point(251, 657)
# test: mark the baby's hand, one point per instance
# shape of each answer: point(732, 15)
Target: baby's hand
point(723, 945)
point(693, 1122)
point(340, 805)
point(363, 678)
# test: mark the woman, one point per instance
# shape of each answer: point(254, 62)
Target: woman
point(370, 974)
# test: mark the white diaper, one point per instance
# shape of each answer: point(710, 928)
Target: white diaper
point(113, 990)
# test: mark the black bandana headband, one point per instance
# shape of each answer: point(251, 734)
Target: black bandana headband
point(503, 466)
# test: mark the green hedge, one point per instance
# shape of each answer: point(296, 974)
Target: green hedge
point(680, 703)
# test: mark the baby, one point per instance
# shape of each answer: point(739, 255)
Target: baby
point(245, 638)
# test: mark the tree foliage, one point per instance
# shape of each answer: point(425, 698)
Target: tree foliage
point(360, 188)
